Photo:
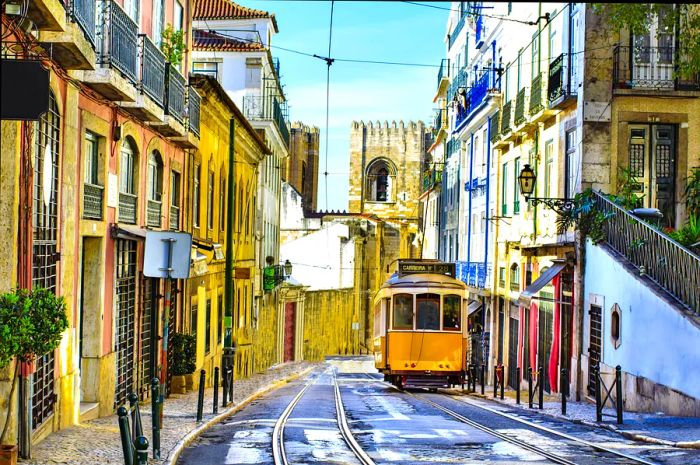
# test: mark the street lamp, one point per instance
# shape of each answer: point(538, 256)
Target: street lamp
point(527, 181)
point(287, 268)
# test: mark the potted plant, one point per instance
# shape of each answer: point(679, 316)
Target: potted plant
point(184, 357)
point(31, 323)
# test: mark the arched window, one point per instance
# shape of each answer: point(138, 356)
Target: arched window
point(514, 277)
point(379, 181)
point(155, 189)
point(127, 181)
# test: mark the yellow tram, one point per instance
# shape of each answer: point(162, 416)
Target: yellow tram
point(420, 326)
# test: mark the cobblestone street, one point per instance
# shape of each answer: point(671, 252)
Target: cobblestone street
point(97, 441)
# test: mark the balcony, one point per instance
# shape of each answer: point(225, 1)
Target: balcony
point(559, 92)
point(475, 98)
point(506, 122)
point(455, 32)
point(431, 178)
point(472, 273)
point(649, 69)
point(460, 80)
point(92, 201)
point(153, 208)
point(190, 139)
point(494, 130)
point(47, 15)
point(174, 222)
point(73, 45)
point(267, 108)
point(149, 102)
point(443, 77)
point(117, 44)
point(520, 116)
point(174, 106)
point(127, 208)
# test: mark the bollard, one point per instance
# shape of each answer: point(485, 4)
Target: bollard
point(529, 387)
point(230, 384)
point(200, 398)
point(540, 376)
point(136, 426)
point(475, 375)
point(517, 385)
point(564, 383)
point(495, 380)
point(483, 376)
point(156, 409)
point(125, 436)
point(598, 409)
point(503, 380)
point(618, 393)
point(141, 444)
point(216, 390)
point(224, 386)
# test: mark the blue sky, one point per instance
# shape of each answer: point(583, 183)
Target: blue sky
point(369, 30)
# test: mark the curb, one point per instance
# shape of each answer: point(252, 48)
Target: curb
point(175, 452)
point(608, 427)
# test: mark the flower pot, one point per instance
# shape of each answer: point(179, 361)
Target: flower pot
point(178, 385)
point(8, 454)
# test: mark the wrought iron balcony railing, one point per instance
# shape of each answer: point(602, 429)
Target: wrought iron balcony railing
point(536, 94)
point(153, 208)
point(276, 66)
point(475, 97)
point(443, 71)
point(83, 13)
point(266, 108)
point(175, 94)
point(174, 221)
point(437, 122)
point(559, 85)
point(652, 68)
point(662, 259)
point(455, 32)
point(127, 208)
point(117, 39)
point(506, 118)
point(152, 70)
point(194, 102)
point(472, 273)
point(92, 201)
point(431, 178)
point(520, 115)
point(460, 80)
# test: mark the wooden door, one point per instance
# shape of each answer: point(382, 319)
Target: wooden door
point(290, 313)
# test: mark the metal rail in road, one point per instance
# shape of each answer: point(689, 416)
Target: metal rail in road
point(345, 429)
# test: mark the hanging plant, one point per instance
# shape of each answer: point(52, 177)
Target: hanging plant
point(172, 45)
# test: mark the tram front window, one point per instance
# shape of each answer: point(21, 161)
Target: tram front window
point(403, 311)
point(428, 312)
point(450, 312)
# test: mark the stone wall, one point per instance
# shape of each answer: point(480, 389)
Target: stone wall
point(301, 167)
point(328, 324)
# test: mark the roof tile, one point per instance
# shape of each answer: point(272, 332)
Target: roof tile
point(226, 9)
point(211, 41)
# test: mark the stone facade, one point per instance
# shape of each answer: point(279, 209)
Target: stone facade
point(301, 167)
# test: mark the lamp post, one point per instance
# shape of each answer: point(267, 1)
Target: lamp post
point(527, 180)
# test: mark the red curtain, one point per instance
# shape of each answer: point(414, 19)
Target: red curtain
point(554, 354)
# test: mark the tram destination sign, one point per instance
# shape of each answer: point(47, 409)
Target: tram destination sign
point(407, 268)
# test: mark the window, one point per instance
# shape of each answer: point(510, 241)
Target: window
point(177, 16)
point(193, 321)
point(207, 328)
point(428, 312)
point(501, 277)
point(222, 204)
point(206, 67)
point(195, 195)
point(219, 317)
point(126, 169)
point(157, 28)
point(155, 176)
point(132, 9)
point(514, 277)
point(91, 159)
point(615, 325)
point(379, 181)
point(451, 312)
point(516, 187)
point(504, 191)
point(403, 311)
point(548, 160)
point(570, 167)
point(210, 201)
point(535, 60)
point(175, 189)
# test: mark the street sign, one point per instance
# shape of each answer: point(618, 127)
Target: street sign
point(167, 255)
point(406, 268)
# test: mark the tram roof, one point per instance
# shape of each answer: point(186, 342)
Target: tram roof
point(423, 280)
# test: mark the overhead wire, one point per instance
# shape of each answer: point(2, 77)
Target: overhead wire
point(329, 62)
point(504, 18)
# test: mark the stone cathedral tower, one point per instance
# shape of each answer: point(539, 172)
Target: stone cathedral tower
point(385, 168)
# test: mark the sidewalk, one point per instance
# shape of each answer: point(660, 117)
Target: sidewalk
point(657, 428)
point(97, 442)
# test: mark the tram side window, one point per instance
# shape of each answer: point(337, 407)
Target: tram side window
point(377, 319)
point(403, 311)
point(428, 311)
point(450, 312)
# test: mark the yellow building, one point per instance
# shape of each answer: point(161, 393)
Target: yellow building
point(211, 174)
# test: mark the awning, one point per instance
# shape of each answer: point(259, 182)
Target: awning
point(473, 306)
point(127, 232)
point(544, 279)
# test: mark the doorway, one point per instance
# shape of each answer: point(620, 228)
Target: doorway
point(290, 313)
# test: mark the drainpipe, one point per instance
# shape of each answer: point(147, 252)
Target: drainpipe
point(228, 270)
point(469, 219)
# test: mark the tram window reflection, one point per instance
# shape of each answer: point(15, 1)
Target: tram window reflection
point(428, 311)
point(450, 312)
point(403, 311)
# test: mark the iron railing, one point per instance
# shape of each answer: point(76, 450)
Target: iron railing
point(92, 201)
point(431, 178)
point(127, 208)
point(506, 117)
point(495, 122)
point(437, 123)
point(174, 222)
point(476, 96)
point(559, 84)
point(83, 13)
point(455, 32)
point(453, 146)
point(175, 92)
point(443, 71)
point(649, 68)
point(152, 70)
point(118, 40)
point(536, 94)
point(194, 102)
point(153, 208)
point(267, 108)
point(662, 259)
point(276, 66)
point(460, 80)
point(520, 115)
point(472, 273)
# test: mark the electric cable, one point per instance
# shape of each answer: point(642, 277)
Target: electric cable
point(329, 62)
